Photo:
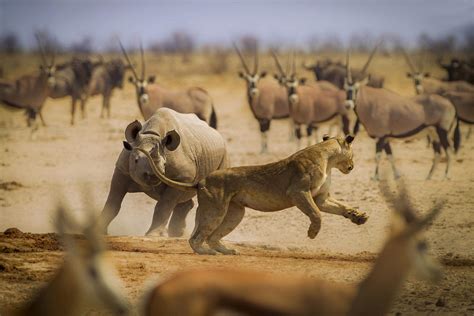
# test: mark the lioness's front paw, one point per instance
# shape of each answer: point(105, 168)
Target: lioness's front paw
point(314, 230)
point(357, 217)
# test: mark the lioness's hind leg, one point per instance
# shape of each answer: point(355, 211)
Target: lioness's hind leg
point(235, 214)
point(209, 215)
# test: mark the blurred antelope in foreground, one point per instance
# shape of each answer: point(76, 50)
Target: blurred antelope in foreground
point(29, 92)
point(209, 291)
point(312, 104)
point(151, 96)
point(84, 280)
point(387, 115)
point(267, 99)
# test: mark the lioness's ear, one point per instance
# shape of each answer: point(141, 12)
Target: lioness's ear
point(132, 130)
point(325, 137)
point(171, 140)
point(349, 139)
point(127, 145)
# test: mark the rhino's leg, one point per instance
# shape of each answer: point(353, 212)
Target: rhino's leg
point(118, 188)
point(177, 222)
point(232, 219)
point(73, 109)
point(165, 205)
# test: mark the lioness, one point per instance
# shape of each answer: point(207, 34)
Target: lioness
point(301, 180)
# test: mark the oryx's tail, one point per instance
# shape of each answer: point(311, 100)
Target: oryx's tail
point(213, 119)
point(457, 136)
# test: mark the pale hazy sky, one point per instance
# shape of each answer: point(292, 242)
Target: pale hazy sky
point(221, 21)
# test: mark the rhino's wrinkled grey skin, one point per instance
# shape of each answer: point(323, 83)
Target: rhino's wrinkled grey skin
point(182, 145)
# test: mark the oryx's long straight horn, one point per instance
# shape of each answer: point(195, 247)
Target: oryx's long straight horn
point(242, 60)
point(277, 62)
point(409, 62)
point(293, 63)
point(348, 65)
point(128, 60)
point(143, 61)
point(367, 64)
point(42, 52)
point(255, 64)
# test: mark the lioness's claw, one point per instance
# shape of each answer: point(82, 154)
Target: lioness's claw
point(356, 217)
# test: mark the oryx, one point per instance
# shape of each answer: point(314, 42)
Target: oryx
point(386, 115)
point(29, 92)
point(105, 79)
point(267, 98)
point(458, 70)
point(152, 96)
point(311, 105)
point(425, 84)
point(72, 79)
point(335, 72)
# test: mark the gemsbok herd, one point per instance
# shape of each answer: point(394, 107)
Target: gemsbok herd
point(177, 153)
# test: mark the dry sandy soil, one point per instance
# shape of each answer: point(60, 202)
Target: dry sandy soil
point(34, 174)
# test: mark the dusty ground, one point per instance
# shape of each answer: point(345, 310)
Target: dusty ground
point(33, 174)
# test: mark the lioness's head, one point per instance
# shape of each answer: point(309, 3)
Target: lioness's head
point(344, 159)
point(156, 145)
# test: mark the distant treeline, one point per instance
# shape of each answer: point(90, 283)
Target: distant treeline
point(185, 44)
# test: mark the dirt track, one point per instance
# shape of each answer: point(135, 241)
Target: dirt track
point(33, 174)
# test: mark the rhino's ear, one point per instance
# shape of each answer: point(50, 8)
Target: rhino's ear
point(127, 145)
point(171, 140)
point(132, 130)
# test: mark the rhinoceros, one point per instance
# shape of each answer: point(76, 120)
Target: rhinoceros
point(184, 147)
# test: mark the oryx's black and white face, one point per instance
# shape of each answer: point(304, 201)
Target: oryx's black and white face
point(292, 83)
point(49, 72)
point(252, 82)
point(141, 88)
point(352, 89)
point(281, 79)
point(417, 78)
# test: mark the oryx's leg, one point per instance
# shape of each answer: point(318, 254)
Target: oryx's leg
point(104, 104)
point(443, 138)
point(345, 124)
point(469, 132)
point(167, 202)
point(309, 133)
point(83, 108)
point(264, 127)
point(437, 153)
point(235, 214)
point(118, 189)
point(388, 151)
point(329, 205)
point(73, 109)
point(379, 145)
point(298, 136)
point(40, 114)
point(292, 130)
point(305, 203)
point(108, 106)
point(177, 222)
